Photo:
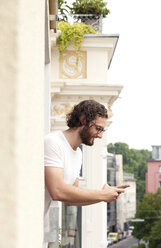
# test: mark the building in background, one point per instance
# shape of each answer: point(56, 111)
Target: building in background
point(121, 212)
point(111, 206)
point(128, 200)
point(153, 175)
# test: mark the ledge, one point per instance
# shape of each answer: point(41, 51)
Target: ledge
point(106, 41)
point(98, 41)
point(76, 92)
point(54, 37)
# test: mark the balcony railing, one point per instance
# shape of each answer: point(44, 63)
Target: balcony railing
point(94, 20)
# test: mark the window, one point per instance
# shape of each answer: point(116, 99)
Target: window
point(108, 175)
point(159, 168)
point(71, 227)
point(157, 152)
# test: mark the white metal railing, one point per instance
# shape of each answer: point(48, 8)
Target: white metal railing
point(90, 19)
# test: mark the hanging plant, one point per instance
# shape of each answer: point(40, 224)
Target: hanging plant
point(72, 34)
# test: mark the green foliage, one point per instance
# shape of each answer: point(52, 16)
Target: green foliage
point(155, 236)
point(63, 10)
point(97, 7)
point(149, 210)
point(140, 189)
point(134, 161)
point(141, 246)
point(72, 34)
point(120, 148)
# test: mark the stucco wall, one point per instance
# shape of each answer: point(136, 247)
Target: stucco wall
point(94, 224)
point(21, 125)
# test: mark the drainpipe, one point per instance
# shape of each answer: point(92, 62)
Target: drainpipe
point(53, 10)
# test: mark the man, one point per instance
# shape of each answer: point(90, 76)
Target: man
point(63, 158)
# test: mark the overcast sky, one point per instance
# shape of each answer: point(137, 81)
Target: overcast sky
point(137, 66)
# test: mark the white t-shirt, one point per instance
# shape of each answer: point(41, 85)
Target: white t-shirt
point(59, 153)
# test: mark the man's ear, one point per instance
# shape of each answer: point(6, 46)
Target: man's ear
point(82, 119)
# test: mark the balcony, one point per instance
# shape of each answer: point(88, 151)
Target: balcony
point(96, 21)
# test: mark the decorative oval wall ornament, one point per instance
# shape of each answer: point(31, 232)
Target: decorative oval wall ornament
point(70, 67)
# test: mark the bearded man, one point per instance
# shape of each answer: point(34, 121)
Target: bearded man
point(63, 158)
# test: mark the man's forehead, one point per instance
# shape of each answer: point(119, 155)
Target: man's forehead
point(100, 120)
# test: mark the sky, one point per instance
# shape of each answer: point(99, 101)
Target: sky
point(136, 65)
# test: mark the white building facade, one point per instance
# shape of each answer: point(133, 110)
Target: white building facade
point(129, 199)
point(121, 212)
point(126, 203)
point(71, 84)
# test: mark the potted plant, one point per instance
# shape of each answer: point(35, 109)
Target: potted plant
point(72, 34)
point(96, 7)
point(89, 11)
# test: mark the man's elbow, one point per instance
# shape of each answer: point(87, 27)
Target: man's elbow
point(58, 195)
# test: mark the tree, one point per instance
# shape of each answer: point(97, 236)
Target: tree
point(155, 237)
point(120, 148)
point(149, 210)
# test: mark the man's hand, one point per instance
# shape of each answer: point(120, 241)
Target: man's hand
point(123, 186)
point(112, 193)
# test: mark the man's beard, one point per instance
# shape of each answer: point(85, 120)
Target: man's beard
point(86, 137)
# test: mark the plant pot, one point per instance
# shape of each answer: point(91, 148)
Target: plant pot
point(94, 20)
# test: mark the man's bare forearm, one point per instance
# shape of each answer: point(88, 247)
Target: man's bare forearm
point(91, 202)
point(61, 191)
point(81, 203)
point(74, 195)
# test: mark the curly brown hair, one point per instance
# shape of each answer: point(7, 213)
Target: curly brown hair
point(90, 109)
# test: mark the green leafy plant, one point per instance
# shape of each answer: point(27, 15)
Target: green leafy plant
point(63, 10)
point(141, 245)
point(149, 210)
point(95, 7)
point(72, 34)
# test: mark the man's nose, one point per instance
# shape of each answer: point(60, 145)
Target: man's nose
point(99, 135)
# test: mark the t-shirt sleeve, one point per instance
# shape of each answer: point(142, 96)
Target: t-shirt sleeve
point(53, 155)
